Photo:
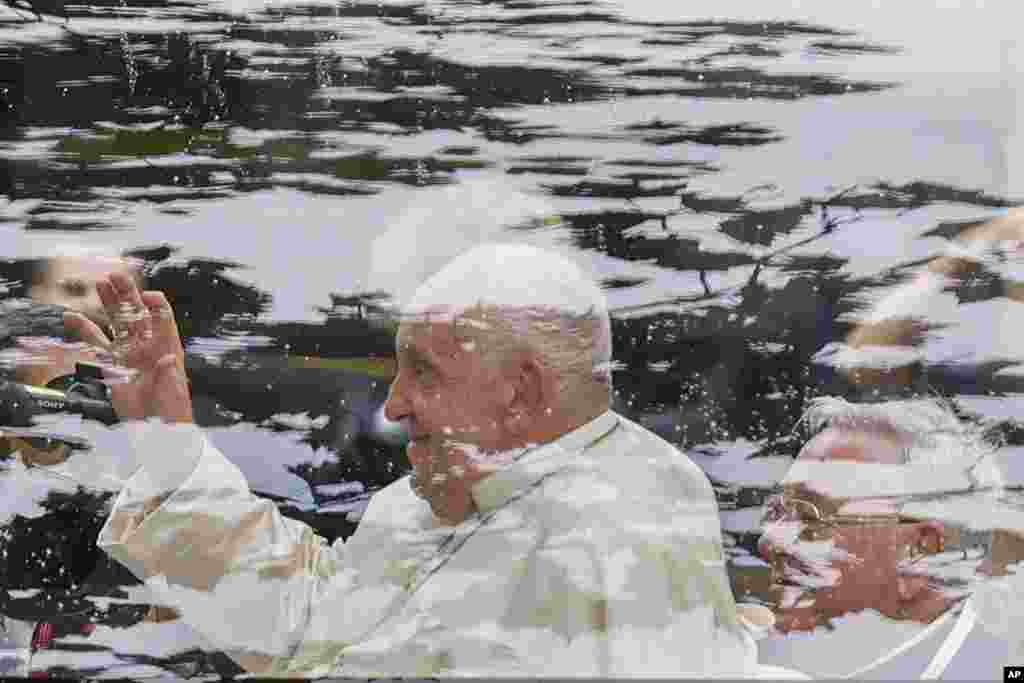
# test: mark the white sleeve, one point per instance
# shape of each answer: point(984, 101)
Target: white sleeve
point(241, 574)
point(166, 454)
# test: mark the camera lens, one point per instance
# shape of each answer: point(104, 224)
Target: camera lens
point(91, 390)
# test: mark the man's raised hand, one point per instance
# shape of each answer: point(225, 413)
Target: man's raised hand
point(148, 379)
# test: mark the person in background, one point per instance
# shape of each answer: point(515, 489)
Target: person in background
point(68, 279)
point(539, 533)
point(884, 344)
point(888, 522)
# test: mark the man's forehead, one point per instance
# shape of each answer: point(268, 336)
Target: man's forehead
point(87, 267)
point(866, 446)
point(425, 336)
point(446, 324)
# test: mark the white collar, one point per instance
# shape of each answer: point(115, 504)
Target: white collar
point(534, 464)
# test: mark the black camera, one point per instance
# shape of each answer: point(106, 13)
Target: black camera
point(82, 392)
point(85, 395)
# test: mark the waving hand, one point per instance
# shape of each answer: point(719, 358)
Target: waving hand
point(149, 379)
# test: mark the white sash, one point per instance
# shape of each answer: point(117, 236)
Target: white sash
point(950, 646)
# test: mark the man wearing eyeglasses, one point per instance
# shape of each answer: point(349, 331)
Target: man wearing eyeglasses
point(877, 541)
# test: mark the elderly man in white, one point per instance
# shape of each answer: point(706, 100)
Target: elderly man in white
point(891, 524)
point(540, 533)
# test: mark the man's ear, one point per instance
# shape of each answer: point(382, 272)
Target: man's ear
point(929, 537)
point(1007, 549)
point(530, 386)
point(926, 538)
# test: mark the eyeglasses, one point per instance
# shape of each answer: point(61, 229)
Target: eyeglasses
point(819, 526)
point(779, 508)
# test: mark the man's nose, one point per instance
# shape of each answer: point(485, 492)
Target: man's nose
point(396, 407)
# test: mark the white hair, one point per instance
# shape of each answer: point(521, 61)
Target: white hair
point(511, 276)
point(933, 433)
point(507, 296)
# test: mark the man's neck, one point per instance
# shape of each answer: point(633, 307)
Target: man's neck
point(551, 429)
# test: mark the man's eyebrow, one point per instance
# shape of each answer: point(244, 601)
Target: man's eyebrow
point(417, 354)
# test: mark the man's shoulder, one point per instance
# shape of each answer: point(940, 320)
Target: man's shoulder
point(636, 441)
point(635, 488)
point(396, 501)
point(632, 466)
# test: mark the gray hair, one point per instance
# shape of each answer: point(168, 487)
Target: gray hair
point(577, 348)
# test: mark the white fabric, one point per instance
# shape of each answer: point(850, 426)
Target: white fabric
point(598, 554)
point(999, 604)
point(859, 649)
point(952, 644)
point(780, 673)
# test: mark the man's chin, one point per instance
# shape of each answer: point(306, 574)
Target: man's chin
point(449, 504)
point(447, 489)
point(429, 485)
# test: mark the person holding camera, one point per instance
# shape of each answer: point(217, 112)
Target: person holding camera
point(66, 280)
point(50, 494)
